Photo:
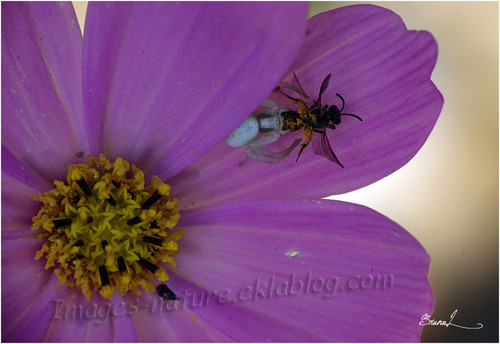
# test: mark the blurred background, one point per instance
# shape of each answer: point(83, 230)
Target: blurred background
point(447, 195)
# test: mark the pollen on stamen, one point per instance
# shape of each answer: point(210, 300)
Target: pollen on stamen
point(104, 230)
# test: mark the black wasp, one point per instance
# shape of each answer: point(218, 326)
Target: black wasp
point(313, 117)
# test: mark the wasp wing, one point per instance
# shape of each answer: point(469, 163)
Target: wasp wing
point(321, 146)
point(305, 98)
point(297, 88)
point(322, 89)
point(297, 84)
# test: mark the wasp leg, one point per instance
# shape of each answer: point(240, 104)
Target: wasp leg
point(255, 152)
point(306, 143)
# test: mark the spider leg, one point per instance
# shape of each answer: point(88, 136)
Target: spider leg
point(262, 141)
point(256, 152)
point(270, 105)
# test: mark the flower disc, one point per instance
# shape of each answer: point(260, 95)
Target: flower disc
point(104, 229)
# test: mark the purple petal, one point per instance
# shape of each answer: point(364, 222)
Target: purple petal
point(158, 320)
point(364, 278)
point(165, 82)
point(18, 208)
point(24, 283)
point(42, 122)
point(21, 173)
point(123, 325)
point(13, 241)
point(381, 69)
point(75, 319)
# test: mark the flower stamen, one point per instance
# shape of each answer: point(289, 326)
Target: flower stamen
point(105, 230)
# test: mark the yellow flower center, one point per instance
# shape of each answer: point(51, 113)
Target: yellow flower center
point(105, 231)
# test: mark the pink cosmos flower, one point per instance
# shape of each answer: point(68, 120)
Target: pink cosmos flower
point(263, 258)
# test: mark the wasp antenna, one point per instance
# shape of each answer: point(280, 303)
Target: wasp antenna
point(343, 102)
point(352, 115)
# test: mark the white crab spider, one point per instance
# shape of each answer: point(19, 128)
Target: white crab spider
point(270, 125)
